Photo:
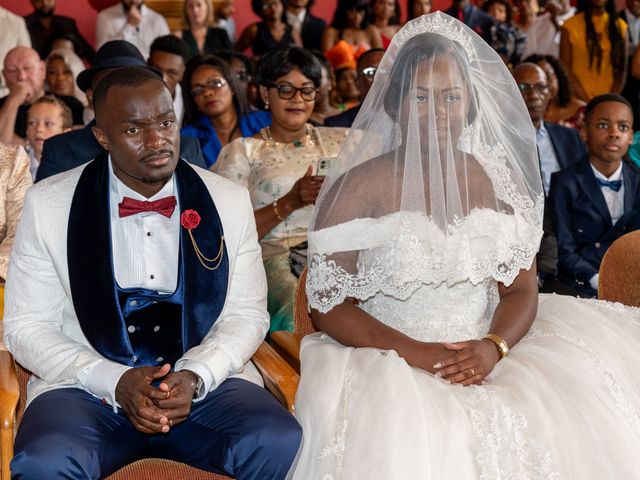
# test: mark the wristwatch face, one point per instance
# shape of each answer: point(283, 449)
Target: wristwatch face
point(199, 387)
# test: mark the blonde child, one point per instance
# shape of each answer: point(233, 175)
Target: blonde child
point(47, 116)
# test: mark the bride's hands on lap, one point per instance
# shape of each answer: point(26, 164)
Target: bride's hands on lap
point(467, 363)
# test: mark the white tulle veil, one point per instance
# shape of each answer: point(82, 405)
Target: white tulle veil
point(442, 159)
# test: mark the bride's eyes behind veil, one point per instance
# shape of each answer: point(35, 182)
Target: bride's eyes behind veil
point(442, 91)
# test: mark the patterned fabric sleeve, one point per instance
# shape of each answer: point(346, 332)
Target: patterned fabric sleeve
point(234, 161)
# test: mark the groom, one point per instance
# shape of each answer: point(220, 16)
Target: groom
point(136, 296)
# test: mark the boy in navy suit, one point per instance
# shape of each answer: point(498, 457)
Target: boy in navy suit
point(596, 200)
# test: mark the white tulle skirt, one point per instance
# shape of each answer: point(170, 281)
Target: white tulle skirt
point(565, 404)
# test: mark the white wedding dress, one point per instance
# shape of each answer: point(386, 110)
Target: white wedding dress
point(565, 403)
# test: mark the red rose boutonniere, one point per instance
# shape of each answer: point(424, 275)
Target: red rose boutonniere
point(190, 219)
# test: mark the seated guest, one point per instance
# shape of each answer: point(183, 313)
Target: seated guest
point(564, 107)
point(47, 116)
point(271, 32)
point(474, 18)
point(417, 8)
point(324, 106)
point(25, 74)
point(242, 66)
point(44, 25)
point(74, 148)
point(152, 328)
point(301, 20)
point(367, 66)
point(558, 148)
point(506, 39)
point(216, 110)
point(278, 164)
point(62, 68)
point(223, 13)
point(15, 180)
point(133, 21)
point(169, 54)
point(385, 16)
point(596, 200)
point(350, 29)
point(199, 33)
point(14, 34)
point(347, 85)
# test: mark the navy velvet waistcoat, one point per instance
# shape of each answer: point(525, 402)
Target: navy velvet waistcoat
point(123, 332)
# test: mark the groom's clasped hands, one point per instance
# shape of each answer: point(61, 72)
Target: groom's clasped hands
point(156, 409)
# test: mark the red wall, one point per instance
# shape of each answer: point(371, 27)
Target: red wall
point(85, 15)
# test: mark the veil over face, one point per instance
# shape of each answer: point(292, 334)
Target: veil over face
point(441, 156)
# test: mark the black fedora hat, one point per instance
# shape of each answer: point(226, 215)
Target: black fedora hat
point(113, 54)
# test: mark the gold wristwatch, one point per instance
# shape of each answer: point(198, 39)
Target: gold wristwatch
point(501, 345)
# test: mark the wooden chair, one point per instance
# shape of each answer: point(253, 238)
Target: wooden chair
point(287, 344)
point(279, 378)
point(620, 271)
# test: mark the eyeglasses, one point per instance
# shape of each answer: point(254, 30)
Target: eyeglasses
point(211, 84)
point(287, 92)
point(540, 88)
point(369, 72)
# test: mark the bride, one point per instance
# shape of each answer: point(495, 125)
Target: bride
point(437, 357)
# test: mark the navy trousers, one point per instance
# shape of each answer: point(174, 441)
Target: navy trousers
point(239, 429)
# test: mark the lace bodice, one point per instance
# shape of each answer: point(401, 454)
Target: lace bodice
point(429, 284)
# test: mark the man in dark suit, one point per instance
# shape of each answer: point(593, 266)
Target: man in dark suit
point(311, 28)
point(44, 27)
point(596, 200)
point(367, 66)
point(69, 150)
point(558, 148)
point(472, 17)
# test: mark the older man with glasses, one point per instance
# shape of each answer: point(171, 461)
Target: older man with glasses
point(558, 148)
point(367, 66)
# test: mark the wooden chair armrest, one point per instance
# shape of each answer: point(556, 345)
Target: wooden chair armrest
point(279, 378)
point(287, 344)
point(9, 395)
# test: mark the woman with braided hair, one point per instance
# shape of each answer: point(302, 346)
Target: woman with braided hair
point(593, 49)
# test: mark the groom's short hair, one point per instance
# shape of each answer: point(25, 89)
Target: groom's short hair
point(121, 77)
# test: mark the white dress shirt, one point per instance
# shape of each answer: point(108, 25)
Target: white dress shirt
point(633, 23)
point(548, 159)
point(543, 36)
point(296, 20)
point(111, 24)
point(178, 104)
point(615, 204)
point(146, 252)
point(14, 33)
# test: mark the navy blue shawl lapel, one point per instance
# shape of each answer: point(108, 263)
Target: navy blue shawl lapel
point(587, 180)
point(90, 262)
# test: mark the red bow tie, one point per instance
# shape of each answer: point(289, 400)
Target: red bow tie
point(129, 206)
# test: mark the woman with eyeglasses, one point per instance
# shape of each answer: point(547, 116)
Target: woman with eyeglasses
point(216, 109)
point(280, 167)
point(200, 35)
point(270, 33)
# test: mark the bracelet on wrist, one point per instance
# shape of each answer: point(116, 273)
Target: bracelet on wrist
point(501, 345)
point(274, 205)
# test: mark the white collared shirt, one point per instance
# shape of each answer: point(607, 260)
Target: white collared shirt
point(548, 159)
point(111, 24)
point(145, 246)
point(296, 20)
point(633, 23)
point(178, 104)
point(614, 200)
